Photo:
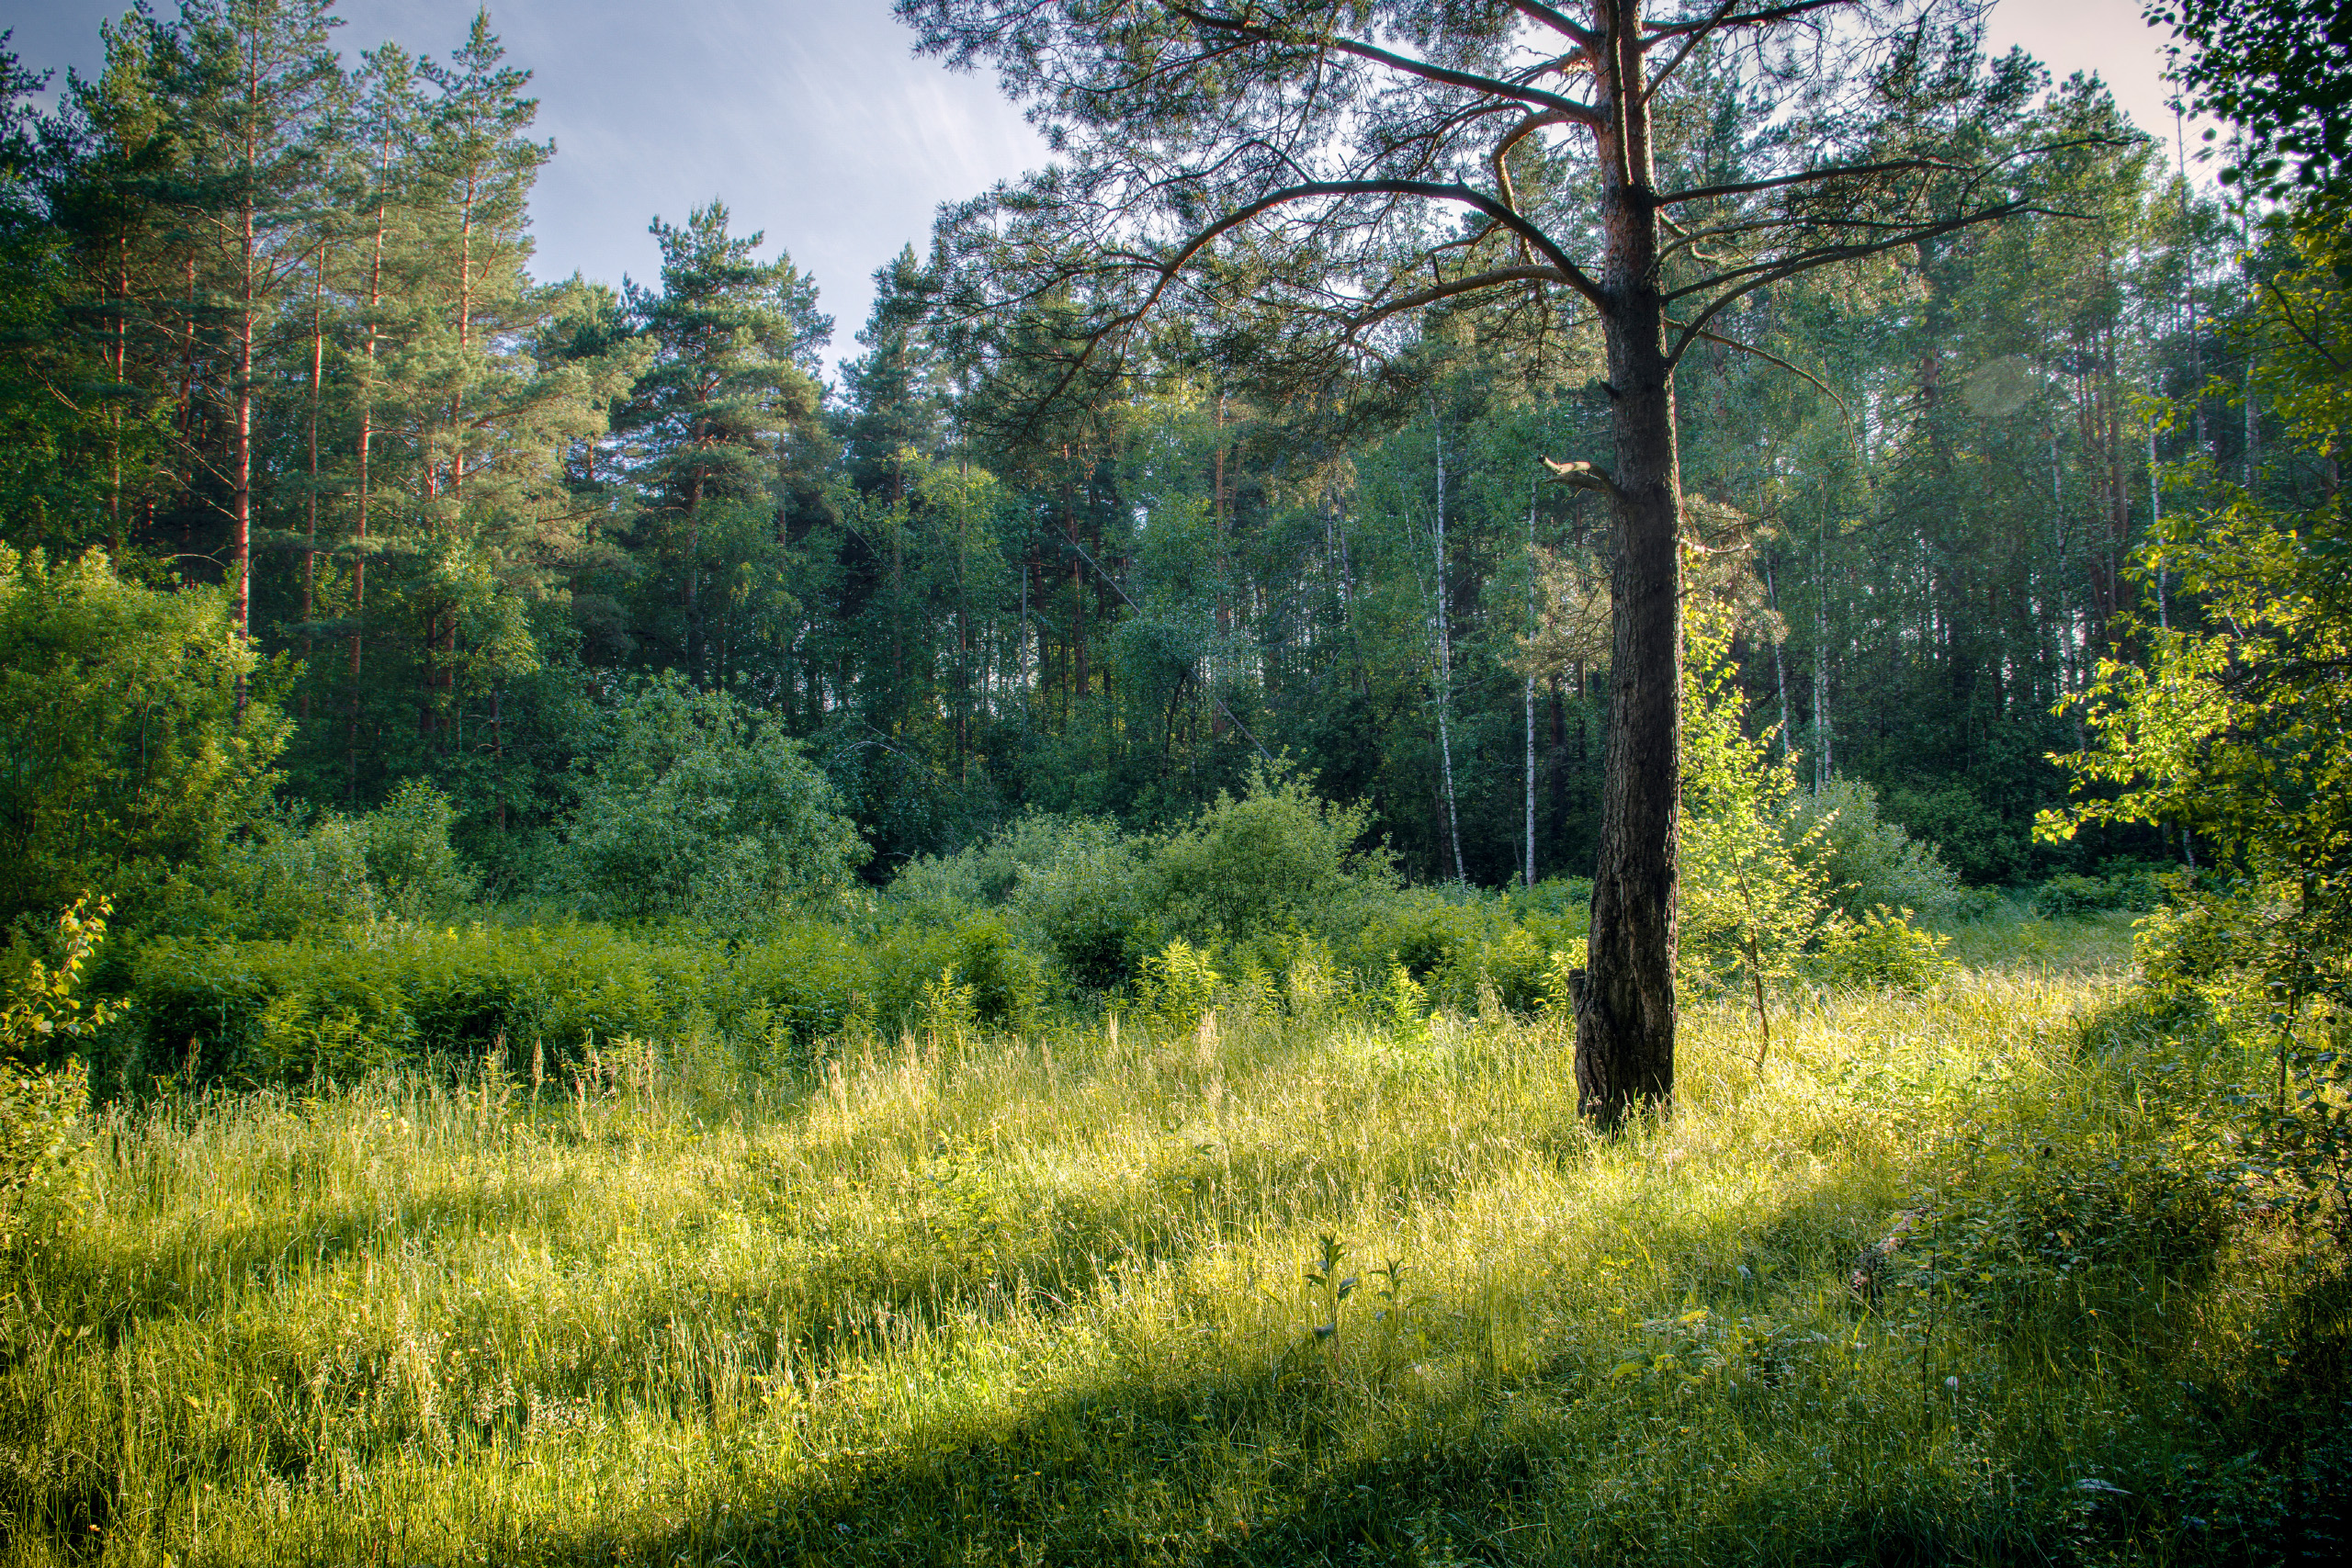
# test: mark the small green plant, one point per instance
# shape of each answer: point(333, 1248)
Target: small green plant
point(948, 1011)
point(2300, 1156)
point(1180, 985)
point(1310, 983)
point(1754, 891)
point(1559, 982)
point(42, 1013)
point(1326, 1292)
point(1406, 1002)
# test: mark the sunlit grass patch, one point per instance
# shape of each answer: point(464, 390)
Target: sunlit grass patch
point(1065, 1299)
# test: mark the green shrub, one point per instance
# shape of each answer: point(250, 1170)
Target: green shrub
point(1974, 904)
point(982, 953)
point(1977, 842)
point(805, 980)
point(1749, 899)
point(127, 753)
point(1178, 984)
point(1866, 860)
point(279, 1012)
point(409, 858)
point(1276, 859)
point(42, 1017)
point(1884, 949)
point(2070, 896)
point(1068, 888)
point(2042, 1211)
point(297, 873)
point(695, 805)
point(38, 1107)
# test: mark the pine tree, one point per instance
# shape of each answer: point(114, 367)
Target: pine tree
point(735, 341)
point(260, 95)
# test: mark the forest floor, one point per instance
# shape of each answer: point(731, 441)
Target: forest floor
point(1274, 1290)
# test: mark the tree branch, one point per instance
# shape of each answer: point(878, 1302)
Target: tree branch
point(1587, 476)
point(1583, 114)
point(1570, 272)
point(1689, 44)
point(1744, 187)
point(1494, 278)
point(1828, 254)
point(1582, 37)
point(1770, 358)
point(1753, 18)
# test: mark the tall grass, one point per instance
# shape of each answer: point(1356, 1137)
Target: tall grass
point(1048, 1299)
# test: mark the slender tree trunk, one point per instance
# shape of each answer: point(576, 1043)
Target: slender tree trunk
point(1626, 1007)
point(1224, 567)
point(311, 497)
point(1444, 659)
point(240, 506)
point(1527, 695)
point(1779, 669)
point(121, 357)
point(367, 441)
point(1080, 676)
point(2155, 521)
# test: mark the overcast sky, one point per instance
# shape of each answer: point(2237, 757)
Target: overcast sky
point(813, 121)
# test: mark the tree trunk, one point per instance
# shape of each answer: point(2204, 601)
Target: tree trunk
point(1625, 1007)
point(311, 500)
point(1527, 693)
point(240, 505)
point(367, 444)
point(1444, 661)
point(1780, 668)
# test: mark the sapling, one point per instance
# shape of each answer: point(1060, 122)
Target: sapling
point(1748, 895)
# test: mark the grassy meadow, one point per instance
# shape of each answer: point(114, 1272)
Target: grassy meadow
point(1966, 1275)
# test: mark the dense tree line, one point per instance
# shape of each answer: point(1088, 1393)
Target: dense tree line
point(270, 326)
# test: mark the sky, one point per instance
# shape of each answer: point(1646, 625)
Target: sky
point(812, 120)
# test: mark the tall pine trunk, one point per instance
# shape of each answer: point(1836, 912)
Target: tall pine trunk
point(1626, 1007)
point(366, 443)
point(240, 456)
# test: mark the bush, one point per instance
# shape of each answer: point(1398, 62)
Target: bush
point(295, 873)
point(696, 806)
point(1066, 886)
point(1884, 949)
point(282, 1012)
point(1277, 859)
point(979, 952)
point(1178, 984)
point(1867, 860)
point(409, 858)
point(2072, 897)
point(127, 756)
point(1453, 945)
point(38, 1107)
point(40, 1015)
point(1977, 842)
point(2038, 1210)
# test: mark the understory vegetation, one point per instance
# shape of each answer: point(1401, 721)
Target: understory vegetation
point(1260, 1273)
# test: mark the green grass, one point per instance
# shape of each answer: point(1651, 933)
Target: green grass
point(1044, 1302)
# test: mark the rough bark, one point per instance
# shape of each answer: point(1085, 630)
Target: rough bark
point(1625, 1008)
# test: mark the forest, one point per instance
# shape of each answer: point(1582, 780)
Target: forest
point(1519, 784)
